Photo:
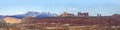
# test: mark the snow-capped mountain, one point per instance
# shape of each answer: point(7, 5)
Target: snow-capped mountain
point(34, 14)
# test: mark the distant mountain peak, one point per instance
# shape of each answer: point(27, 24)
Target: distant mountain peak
point(32, 14)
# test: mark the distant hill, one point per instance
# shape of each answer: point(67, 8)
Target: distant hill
point(117, 16)
point(1, 18)
point(34, 14)
point(16, 16)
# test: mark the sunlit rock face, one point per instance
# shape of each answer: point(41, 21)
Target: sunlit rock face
point(12, 20)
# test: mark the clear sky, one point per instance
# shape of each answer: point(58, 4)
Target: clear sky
point(104, 7)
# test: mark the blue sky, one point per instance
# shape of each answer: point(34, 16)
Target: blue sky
point(104, 7)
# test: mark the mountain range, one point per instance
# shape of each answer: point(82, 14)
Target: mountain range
point(33, 14)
